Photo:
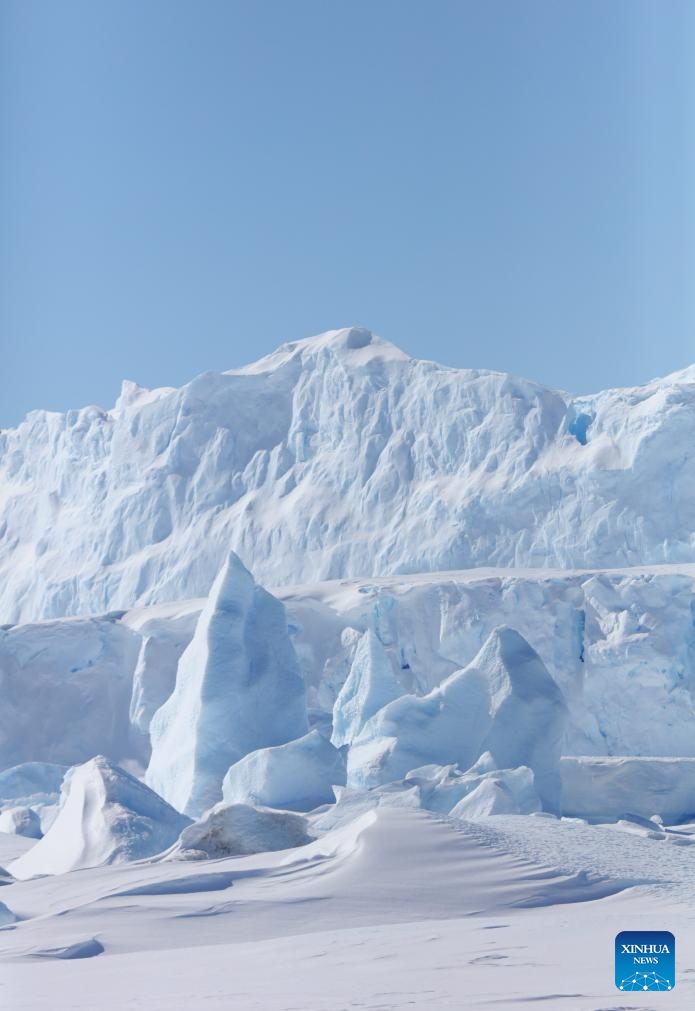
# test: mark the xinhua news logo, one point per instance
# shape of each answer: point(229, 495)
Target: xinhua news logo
point(645, 960)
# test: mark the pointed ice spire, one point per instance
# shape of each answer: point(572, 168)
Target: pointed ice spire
point(505, 703)
point(369, 686)
point(238, 688)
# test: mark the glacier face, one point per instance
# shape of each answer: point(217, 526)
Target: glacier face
point(334, 457)
point(620, 645)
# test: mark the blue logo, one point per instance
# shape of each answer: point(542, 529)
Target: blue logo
point(645, 960)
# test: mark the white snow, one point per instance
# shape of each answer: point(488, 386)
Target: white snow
point(297, 776)
point(106, 816)
point(396, 910)
point(238, 688)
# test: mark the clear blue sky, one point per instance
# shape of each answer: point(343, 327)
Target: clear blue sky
point(184, 185)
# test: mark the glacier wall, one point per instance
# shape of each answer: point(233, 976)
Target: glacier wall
point(620, 645)
point(334, 457)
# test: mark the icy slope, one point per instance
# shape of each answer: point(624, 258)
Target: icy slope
point(337, 456)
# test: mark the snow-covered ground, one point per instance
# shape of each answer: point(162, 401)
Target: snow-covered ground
point(397, 909)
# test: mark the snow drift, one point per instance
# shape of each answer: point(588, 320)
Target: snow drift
point(106, 816)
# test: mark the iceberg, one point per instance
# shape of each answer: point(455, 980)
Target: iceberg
point(370, 685)
point(106, 816)
point(504, 702)
point(297, 776)
point(238, 689)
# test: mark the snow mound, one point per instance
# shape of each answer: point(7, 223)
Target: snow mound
point(297, 776)
point(370, 685)
point(21, 821)
point(238, 688)
point(234, 829)
point(504, 702)
point(79, 672)
point(604, 789)
point(106, 816)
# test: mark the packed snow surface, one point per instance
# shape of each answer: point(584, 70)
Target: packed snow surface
point(395, 909)
point(238, 688)
point(338, 456)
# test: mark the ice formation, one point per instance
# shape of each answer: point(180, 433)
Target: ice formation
point(369, 686)
point(106, 816)
point(338, 456)
point(603, 789)
point(21, 821)
point(504, 702)
point(297, 776)
point(31, 784)
point(234, 829)
point(446, 789)
point(66, 687)
point(238, 688)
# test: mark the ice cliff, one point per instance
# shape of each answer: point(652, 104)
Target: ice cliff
point(337, 456)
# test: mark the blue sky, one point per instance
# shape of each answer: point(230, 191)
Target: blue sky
point(184, 185)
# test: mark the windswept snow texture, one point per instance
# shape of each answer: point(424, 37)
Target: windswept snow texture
point(297, 776)
point(106, 816)
point(370, 686)
point(338, 456)
point(238, 688)
point(505, 702)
